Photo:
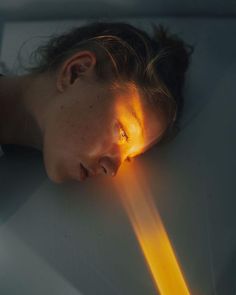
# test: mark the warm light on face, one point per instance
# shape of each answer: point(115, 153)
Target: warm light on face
point(150, 232)
point(131, 118)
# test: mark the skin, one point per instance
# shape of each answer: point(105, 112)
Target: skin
point(75, 119)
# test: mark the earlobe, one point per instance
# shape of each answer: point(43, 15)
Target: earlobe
point(63, 80)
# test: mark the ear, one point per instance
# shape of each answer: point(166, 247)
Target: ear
point(80, 64)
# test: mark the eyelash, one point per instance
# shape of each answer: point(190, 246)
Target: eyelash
point(123, 134)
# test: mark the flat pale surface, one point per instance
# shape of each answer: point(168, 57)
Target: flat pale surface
point(77, 239)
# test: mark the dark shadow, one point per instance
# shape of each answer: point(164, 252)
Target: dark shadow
point(47, 10)
point(226, 283)
point(21, 172)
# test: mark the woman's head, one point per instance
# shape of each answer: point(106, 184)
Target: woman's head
point(119, 91)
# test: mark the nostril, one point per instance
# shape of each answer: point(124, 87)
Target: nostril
point(104, 169)
point(108, 166)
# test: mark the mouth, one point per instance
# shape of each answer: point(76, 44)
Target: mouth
point(83, 173)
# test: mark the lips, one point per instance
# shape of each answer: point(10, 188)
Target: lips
point(83, 172)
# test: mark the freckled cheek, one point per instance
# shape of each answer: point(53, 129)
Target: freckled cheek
point(100, 145)
point(95, 151)
point(90, 138)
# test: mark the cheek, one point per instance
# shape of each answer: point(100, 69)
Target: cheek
point(98, 142)
point(83, 131)
point(95, 137)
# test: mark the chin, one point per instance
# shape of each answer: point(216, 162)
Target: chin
point(59, 168)
point(57, 180)
point(55, 177)
point(54, 172)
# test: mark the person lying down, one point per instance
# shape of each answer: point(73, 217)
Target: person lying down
point(99, 94)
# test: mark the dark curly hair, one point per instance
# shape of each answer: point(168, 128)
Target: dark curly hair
point(157, 63)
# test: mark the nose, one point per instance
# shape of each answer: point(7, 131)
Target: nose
point(109, 165)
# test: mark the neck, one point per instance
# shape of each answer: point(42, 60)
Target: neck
point(19, 123)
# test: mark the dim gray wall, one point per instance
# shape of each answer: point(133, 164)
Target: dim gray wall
point(67, 9)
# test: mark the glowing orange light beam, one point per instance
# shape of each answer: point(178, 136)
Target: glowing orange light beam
point(149, 229)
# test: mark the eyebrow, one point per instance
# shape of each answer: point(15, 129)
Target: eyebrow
point(134, 115)
point(138, 121)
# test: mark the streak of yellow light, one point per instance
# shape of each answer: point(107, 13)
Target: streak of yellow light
point(137, 199)
point(140, 207)
point(122, 110)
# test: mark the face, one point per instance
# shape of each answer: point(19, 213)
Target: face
point(93, 127)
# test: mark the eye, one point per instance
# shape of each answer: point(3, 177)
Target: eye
point(123, 137)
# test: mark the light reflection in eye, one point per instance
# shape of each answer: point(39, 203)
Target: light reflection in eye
point(132, 138)
point(130, 119)
point(123, 137)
